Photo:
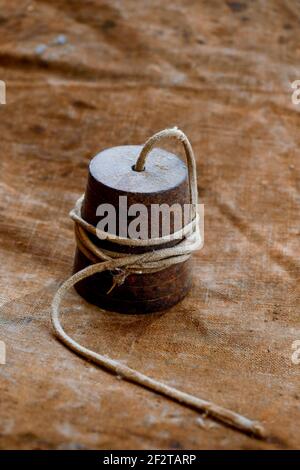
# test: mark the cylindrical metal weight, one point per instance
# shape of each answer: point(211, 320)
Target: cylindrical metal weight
point(112, 179)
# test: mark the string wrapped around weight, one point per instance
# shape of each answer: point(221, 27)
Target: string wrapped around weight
point(188, 240)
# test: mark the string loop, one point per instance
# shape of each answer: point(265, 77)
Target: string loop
point(148, 262)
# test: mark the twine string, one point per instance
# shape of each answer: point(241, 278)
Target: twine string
point(152, 261)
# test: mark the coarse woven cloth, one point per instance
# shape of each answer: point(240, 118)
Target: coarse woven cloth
point(82, 76)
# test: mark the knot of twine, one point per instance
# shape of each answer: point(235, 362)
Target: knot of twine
point(189, 241)
point(122, 265)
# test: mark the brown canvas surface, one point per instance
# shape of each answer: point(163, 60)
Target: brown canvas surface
point(82, 76)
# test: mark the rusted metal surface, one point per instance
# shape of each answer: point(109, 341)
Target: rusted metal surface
point(221, 71)
point(164, 181)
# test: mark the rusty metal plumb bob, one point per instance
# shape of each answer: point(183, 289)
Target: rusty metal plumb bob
point(162, 180)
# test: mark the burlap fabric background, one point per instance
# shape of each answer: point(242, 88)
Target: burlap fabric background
point(82, 76)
